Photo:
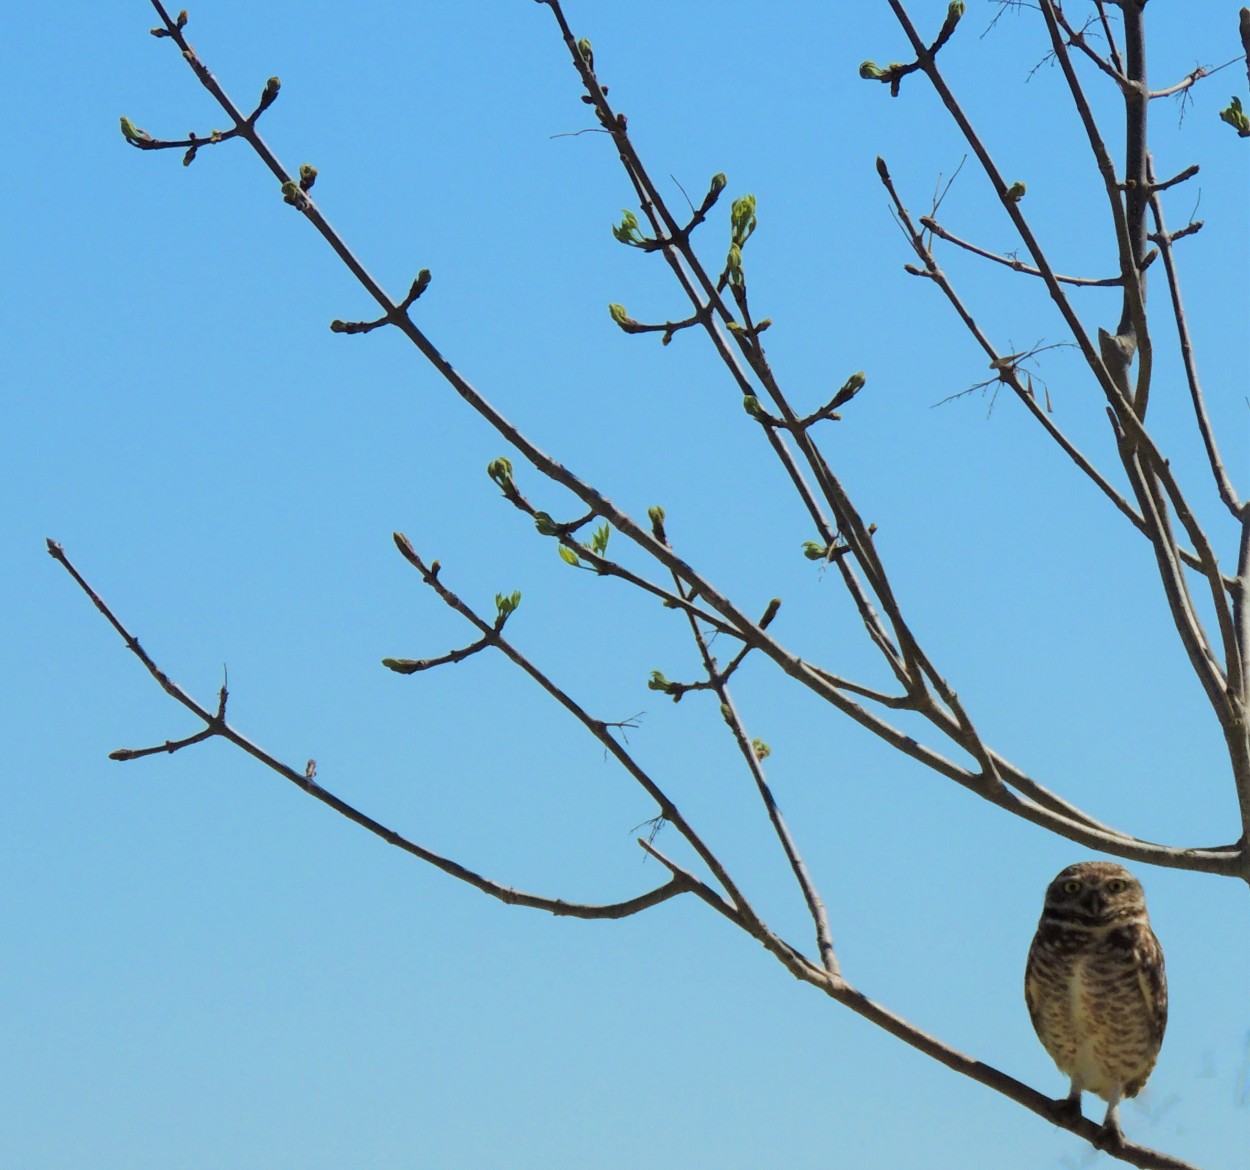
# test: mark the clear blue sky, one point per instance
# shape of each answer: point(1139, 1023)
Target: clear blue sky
point(202, 967)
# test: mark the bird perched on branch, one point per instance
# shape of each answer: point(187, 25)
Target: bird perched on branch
point(1096, 988)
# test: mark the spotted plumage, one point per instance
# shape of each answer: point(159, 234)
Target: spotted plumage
point(1095, 985)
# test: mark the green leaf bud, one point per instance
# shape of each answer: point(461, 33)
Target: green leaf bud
point(568, 556)
point(1015, 192)
point(132, 133)
point(1234, 116)
point(500, 470)
point(742, 219)
point(656, 514)
point(871, 71)
point(760, 749)
point(545, 524)
point(627, 231)
point(588, 54)
point(852, 386)
point(815, 551)
point(719, 181)
point(420, 284)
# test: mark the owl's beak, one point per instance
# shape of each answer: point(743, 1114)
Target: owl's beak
point(1093, 901)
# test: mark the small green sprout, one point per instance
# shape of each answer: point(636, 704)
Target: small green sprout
point(1234, 115)
point(545, 524)
point(627, 231)
point(852, 386)
point(500, 470)
point(506, 603)
point(742, 219)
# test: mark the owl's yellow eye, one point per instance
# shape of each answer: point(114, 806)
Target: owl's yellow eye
point(1071, 886)
point(1115, 885)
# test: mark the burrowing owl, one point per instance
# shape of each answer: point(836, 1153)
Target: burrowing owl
point(1095, 985)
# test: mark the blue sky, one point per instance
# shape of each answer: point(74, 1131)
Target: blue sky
point(205, 968)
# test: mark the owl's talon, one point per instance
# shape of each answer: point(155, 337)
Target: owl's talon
point(1066, 1110)
point(1109, 1137)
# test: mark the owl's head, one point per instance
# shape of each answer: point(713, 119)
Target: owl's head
point(1095, 892)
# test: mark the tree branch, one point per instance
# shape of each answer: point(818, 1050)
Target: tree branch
point(1164, 241)
point(1011, 262)
point(752, 757)
point(987, 786)
point(215, 725)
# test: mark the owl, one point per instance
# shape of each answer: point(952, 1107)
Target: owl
point(1095, 986)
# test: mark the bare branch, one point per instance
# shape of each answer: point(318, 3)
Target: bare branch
point(1113, 51)
point(1191, 79)
point(752, 757)
point(1012, 262)
point(1164, 240)
point(932, 269)
point(215, 725)
point(1077, 40)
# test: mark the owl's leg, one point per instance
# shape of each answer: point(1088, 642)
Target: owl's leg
point(1111, 1136)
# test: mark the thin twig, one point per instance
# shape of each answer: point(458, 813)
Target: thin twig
point(1222, 481)
point(1076, 38)
point(1012, 262)
point(746, 748)
point(932, 268)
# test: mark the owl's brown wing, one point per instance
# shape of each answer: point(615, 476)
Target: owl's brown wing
point(1032, 992)
point(1152, 977)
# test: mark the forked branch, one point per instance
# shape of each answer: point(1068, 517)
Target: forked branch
point(215, 725)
